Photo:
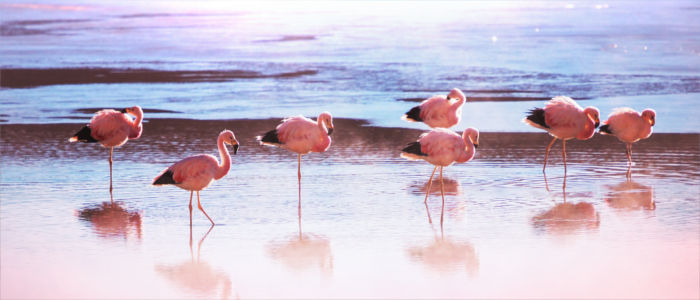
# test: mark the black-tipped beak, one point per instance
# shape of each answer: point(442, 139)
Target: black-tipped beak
point(330, 131)
point(597, 124)
point(123, 111)
point(476, 146)
point(235, 149)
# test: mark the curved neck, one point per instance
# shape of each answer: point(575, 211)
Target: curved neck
point(136, 126)
point(321, 125)
point(470, 148)
point(225, 165)
point(588, 129)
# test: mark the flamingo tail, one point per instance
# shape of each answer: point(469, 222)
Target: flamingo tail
point(536, 118)
point(413, 115)
point(165, 178)
point(84, 135)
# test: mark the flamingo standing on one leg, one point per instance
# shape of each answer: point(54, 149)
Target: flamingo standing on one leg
point(564, 119)
point(198, 171)
point(111, 128)
point(629, 126)
point(438, 111)
point(442, 147)
point(301, 135)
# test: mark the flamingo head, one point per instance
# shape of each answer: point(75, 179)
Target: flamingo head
point(229, 138)
point(455, 93)
point(649, 115)
point(136, 111)
point(594, 114)
point(326, 119)
point(471, 134)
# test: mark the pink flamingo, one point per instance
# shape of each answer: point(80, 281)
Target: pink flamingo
point(438, 111)
point(442, 147)
point(198, 171)
point(629, 126)
point(564, 119)
point(301, 135)
point(111, 128)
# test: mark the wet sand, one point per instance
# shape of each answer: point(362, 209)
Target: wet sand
point(364, 230)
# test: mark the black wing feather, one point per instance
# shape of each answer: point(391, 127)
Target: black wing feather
point(414, 114)
point(85, 135)
point(165, 178)
point(271, 137)
point(537, 117)
point(414, 148)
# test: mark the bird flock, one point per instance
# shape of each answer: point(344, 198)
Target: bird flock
point(561, 117)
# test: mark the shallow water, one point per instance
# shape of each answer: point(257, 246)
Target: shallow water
point(364, 230)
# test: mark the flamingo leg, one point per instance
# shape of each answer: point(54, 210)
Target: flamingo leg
point(191, 192)
point(111, 149)
point(430, 184)
point(199, 205)
point(299, 179)
point(629, 154)
point(546, 153)
point(442, 193)
point(563, 154)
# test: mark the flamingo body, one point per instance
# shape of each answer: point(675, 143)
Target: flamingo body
point(564, 119)
point(301, 135)
point(629, 125)
point(442, 147)
point(197, 172)
point(438, 111)
point(111, 129)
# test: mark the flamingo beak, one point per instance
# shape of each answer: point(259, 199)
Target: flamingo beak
point(235, 148)
point(597, 124)
point(124, 111)
point(652, 122)
point(476, 145)
point(330, 130)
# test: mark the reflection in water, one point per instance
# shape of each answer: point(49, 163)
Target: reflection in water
point(304, 251)
point(196, 276)
point(111, 220)
point(568, 217)
point(631, 195)
point(451, 187)
point(444, 255)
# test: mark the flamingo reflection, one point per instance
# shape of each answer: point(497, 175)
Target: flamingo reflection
point(444, 255)
point(197, 276)
point(630, 195)
point(304, 251)
point(112, 220)
point(451, 187)
point(567, 217)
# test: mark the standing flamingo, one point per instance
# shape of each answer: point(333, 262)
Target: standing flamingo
point(442, 147)
point(564, 119)
point(438, 111)
point(198, 171)
point(301, 135)
point(111, 128)
point(629, 126)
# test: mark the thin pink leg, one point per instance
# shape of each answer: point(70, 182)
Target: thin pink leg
point(299, 180)
point(199, 205)
point(442, 193)
point(110, 169)
point(546, 153)
point(563, 154)
point(629, 160)
point(191, 192)
point(430, 184)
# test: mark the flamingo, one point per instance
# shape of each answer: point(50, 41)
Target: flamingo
point(564, 119)
point(438, 111)
point(442, 147)
point(301, 135)
point(111, 129)
point(629, 126)
point(198, 171)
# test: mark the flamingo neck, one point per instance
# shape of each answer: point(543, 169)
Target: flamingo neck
point(225, 165)
point(321, 125)
point(137, 127)
point(588, 130)
point(470, 149)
